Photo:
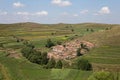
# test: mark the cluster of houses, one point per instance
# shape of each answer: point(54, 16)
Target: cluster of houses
point(68, 50)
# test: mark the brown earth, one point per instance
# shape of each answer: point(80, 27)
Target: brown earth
point(13, 54)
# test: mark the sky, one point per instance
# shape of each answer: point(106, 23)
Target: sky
point(60, 11)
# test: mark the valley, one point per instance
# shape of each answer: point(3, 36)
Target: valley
point(102, 49)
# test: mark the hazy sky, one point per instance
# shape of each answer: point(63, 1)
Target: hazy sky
point(60, 11)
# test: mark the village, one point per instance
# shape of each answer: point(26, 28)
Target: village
point(69, 50)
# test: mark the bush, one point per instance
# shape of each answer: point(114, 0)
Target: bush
point(51, 64)
point(66, 64)
point(83, 64)
point(25, 42)
point(26, 51)
point(59, 43)
point(30, 45)
point(44, 58)
point(92, 30)
point(59, 64)
point(72, 30)
point(49, 43)
point(83, 46)
point(35, 56)
point(1, 45)
point(79, 52)
point(87, 29)
point(107, 29)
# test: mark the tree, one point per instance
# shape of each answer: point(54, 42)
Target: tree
point(25, 42)
point(49, 43)
point(65, 64)
point(26, 51)
point(51, 63)
point(44, 58)
point(59, 64)
point(79, 52)
point(92, 30)
point(66, 27)
point(107, 29)
point(59, 42)
point(17, 40)
point(102, 75)
point(52, 33)
point(1, 45)
point(83, 64)
point(35, 57)
point(64, 45)
point(32, 58)
point(87, 29)
point(72, 30)
point(83, 46)
point(30, 45)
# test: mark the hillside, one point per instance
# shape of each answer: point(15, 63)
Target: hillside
point(108, 37)
point(105, 55)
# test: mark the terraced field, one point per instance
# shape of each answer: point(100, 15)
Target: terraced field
point(106, 54)
point(21, 69)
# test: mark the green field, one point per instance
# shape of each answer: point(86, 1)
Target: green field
point(105, 55)
point(24, 70)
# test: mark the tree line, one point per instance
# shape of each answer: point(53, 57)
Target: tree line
point(38, 57)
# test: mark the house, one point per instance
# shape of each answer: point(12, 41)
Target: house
point(69, 50)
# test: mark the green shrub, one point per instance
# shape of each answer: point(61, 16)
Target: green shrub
point(30, 45)
point(26, 51)
point(72, 30)
point(83, 64)
point(87, 29)
point(59, 43)
point(45, 59)
point(59, 64)
point(49, 43)
point(51, 63)
point(79, 52)
point(1, 45)
point(35, 56)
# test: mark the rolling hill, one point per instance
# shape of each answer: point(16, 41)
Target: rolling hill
point(105, 55)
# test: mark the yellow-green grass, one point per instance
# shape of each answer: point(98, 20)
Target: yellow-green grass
point(69, 74)
point(108, 37)
point(104, 55)
point(21, 69)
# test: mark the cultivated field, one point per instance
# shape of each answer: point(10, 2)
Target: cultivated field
point(105, 55)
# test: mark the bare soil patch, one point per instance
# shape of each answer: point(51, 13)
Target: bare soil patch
point(13, 54)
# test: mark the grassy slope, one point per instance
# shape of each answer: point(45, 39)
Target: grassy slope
point(4, 75)
point(107, 53)
point(21, 69)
